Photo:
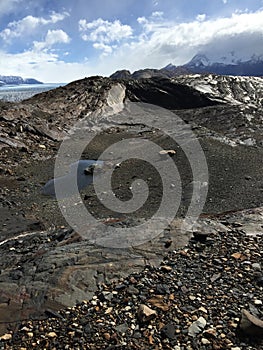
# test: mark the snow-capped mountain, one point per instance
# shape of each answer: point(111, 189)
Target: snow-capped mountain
point(229, 58)
point(16, 80)
point(228, 64)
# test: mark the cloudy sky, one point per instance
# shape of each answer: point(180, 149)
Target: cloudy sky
point(64, 40)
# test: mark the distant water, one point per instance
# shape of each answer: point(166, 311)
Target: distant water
point(16, 93)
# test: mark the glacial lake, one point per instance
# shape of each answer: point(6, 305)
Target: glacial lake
point(16, 93)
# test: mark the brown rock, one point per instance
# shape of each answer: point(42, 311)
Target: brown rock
point(157, 301)
point(51, 334)
point(166, 268)
point(107, 336)
point(6, 336)
point(239, 256)
point(145, 314)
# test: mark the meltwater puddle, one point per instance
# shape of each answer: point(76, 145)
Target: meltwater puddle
point(64, 185)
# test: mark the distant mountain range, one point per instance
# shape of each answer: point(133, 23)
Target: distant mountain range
point(201, 64)
point(16, 80)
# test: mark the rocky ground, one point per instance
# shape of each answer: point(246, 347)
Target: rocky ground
point(200, 297)
point(46, 266)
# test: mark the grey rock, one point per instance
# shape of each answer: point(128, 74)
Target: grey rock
point(197, 327)
point(122, 328)
point(168, 331)
point(133, 290)
point(256, 266)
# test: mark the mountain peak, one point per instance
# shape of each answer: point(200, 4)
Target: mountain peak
point(199, 60)
point(229, 63)
point(169, 66)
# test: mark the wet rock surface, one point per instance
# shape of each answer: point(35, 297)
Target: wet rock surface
point(46, 266)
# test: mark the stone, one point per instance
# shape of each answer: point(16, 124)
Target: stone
point(6, 336)
point(250, 324)
point(201, 308)
point(52, 334)
point(167, 152)
point(205, 341)
point(166, 268)
point(107, 336)
point(162, 289)
point(158, 302)
point(145, 314)
point(215, 277)
point(197, 326)
point(256, 266)
point(168, 331)
point(109, 310)
point(122, 328)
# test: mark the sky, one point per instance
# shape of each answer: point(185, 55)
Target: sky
point(64, 40)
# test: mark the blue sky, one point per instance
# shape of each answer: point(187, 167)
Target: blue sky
point(64, 40)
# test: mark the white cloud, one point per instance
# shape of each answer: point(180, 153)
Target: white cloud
point(157, 14)
point(224, 1)
point(102, 31)
point(142, 20)
point(46, 67)
point(166, 42)
point(100, 46)
point(57, 17)
point(52, 37)
point(28, 24)
point(152, 24)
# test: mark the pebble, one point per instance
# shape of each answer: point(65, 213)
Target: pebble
point(6, 336)
point(205, 341)
point(169, 152)
point(145, 314)
point(256, 266)
point(168, 331)
point(122, 328)
point(197, 327)
point(51, 334)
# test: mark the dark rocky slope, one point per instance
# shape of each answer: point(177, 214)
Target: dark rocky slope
point(44, 264)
